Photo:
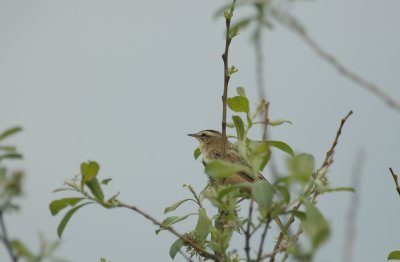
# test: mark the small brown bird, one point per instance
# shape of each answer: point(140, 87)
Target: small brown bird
point(210, 144)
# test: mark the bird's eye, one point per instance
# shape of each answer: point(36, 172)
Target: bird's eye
point(203, 135)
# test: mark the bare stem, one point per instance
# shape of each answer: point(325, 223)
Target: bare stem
point(258, 44)
point(396, 181)
point(266, 119)
point(295, 25)
point(202, 252)
point(247, 233)
point(225, 58)
point(5, 239)
point(264, 234)
point(329, 155)
point(354, 203)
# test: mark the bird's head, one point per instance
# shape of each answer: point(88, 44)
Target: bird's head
point(208, 139)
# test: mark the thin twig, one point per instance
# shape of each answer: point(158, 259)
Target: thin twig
point(311, 189)
point(264, 234)
point(295, 25)
point(396, 181)
point(247, 234)
point(282, 248)
point(266, 120)
point(225, 58)
point(295, 238)
point(329, 155)
point(354, 203)
point(6, 240)
point(185, 256)
point(187, 241)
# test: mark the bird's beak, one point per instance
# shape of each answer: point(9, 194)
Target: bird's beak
point(193, 135)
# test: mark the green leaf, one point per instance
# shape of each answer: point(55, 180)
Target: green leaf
point(315, 224)
point(67, 217)
point(172, 220)
point(221, 169)
point(263, 194)
point(235, 28)
point(239, 104)
point(259, 109)
point(278, 122)
point(89, 170)
point(301, 167)
point(282, 146)
point(95, 188)
point(284, 191)
point(197, 153)
point(22, 250)
point(11, 156)
point(337, 189)
point(176, 205)
point(204, 225)
point(190, 188)
point(239, 127)
point(231, 70)
point(106, 181)
point(259, 154)
point(10, 132)
point(57, 205)
point(8, 148)
point(3, 171)
point(299, 214)
point(176, 246)
point(240, 91)
point(394, 255)
point(222, 192)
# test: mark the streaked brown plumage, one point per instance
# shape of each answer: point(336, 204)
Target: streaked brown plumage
point(210, 144)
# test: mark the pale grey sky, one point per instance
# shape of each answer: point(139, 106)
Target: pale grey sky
point(123, 82)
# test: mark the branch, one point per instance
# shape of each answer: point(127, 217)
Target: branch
point(264, 233)
point(5, 239)
point(272, 253)
point(185, 256)
point(295, 25)
point(329, 155)
point(185, 240)
point(247, 234)
point(225, 57)
point(396, 181)
point(351, 219)
point(311, 190)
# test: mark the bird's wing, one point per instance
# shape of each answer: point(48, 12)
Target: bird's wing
point(233, 157)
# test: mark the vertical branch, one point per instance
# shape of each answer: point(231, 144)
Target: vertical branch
point(247, 233)
point(264, 234)
point(348, 243)
point(266, 120)
point(225, 57)
point(5, 239)
point(258, 43)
